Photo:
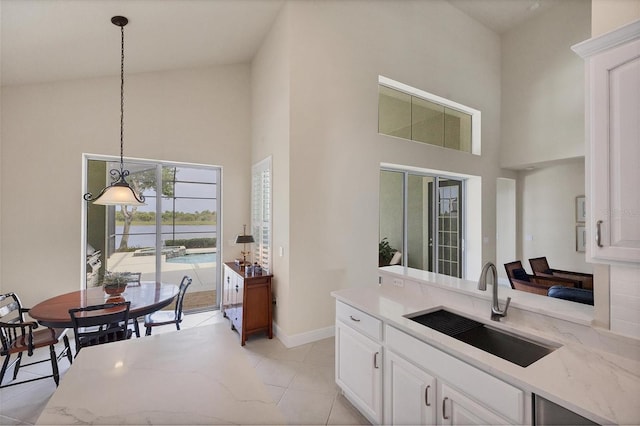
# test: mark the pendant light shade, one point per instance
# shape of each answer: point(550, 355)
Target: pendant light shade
point(119, 192)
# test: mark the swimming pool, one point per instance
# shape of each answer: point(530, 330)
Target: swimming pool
point(194, 258)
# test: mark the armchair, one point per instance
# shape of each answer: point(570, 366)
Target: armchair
point(522, 281)
point(540, 267)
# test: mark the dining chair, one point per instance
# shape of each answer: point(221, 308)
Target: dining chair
point(19, 336)
point(100, 324)
point(159, 318)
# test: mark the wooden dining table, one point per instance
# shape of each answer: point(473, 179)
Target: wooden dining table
point(145, 298)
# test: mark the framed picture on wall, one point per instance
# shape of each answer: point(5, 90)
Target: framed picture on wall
point(581, 208)
point(581, 238)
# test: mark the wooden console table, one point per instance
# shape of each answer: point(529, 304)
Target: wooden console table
point(246, 301)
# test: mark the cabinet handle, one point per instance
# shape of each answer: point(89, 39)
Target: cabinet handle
point(227, 279)
point(375, 360)
point(444, 408)
point(426, 396)
point(354, 319)
point(599, 233)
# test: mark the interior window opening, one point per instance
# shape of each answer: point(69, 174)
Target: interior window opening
point(422, 221)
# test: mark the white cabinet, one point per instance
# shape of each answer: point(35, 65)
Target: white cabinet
point(485, 400)
point(459, 409)
point(410, 393)
point(613, 148)
point(359, 362)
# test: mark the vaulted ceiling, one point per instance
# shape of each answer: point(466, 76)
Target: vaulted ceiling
point(52, 40)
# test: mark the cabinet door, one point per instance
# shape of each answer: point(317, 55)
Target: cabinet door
point(614, 154)
point(227, 285)
point(410, 393)
point(359, 371)
point(458, 409)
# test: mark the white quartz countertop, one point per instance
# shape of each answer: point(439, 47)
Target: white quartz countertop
point(195, 376)
point(596, 384)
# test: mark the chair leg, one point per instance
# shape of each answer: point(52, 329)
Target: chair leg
point(17, 367)
point(136, 327)
point(54, 364)
point(148, 332)
point(5, 364)
point(67, 349)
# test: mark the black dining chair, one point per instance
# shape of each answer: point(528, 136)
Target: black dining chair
point(100, 324)
point(19, 336)
point(159, 318)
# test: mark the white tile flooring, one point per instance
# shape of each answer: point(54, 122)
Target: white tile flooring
point(300, 380)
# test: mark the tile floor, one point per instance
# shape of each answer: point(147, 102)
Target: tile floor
point(300, 380)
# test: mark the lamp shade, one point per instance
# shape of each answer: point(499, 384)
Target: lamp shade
point(245, 239)
point(119, 193)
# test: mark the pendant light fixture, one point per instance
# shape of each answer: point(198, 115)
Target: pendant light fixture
point(119, 192)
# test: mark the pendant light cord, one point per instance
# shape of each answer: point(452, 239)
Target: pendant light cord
point(122, 99)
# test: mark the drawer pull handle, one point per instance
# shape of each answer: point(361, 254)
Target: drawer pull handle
point(375, 360)
point(444, 408)
point(426, 396)
point(354, 319)
point(599, 233)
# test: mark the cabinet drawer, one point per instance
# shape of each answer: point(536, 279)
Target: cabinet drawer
point(493, 393)
point(357, 319)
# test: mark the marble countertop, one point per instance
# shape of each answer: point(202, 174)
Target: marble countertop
point(196, 376)
point(597, 384)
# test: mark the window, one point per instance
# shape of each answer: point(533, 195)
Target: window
point(413, 114)
point(261, 212)
point(172, 235)
point(421, 216)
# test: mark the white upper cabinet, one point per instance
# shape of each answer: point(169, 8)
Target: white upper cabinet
point(613, 145)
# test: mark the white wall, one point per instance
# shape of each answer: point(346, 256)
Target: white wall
point(270, 123)
point(547, 209)
point(506, 214)
point(611, 14)
point(338, 49)
point(198, 116)
point(543, 86)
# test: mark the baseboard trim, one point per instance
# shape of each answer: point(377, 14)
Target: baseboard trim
point(291, 341)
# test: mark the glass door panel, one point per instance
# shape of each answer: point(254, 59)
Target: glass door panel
point(164, 239)
point(391, 215)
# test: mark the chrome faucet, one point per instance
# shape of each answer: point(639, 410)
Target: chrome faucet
point(496, 312)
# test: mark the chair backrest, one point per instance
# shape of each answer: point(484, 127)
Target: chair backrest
point(10, 313)
point(515, 271)
point(539, 265)
point(98, 324)
point(184, 284)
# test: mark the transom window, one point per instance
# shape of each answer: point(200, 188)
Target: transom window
point(413, 114)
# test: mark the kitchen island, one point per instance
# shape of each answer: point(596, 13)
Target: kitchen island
point(194, 376)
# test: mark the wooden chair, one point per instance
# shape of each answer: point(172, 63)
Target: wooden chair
point(540, 267)
point(100, 324)
point(19, 336)
point(168, 317)
point(520, 280)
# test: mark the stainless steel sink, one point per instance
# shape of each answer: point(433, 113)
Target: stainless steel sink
point(510, 347)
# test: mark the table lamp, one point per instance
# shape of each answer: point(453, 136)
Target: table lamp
point(244, 239)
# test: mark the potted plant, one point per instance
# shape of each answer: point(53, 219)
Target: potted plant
point(114, 283)
point(385, 252)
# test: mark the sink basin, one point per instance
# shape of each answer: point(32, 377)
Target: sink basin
point(515, 349)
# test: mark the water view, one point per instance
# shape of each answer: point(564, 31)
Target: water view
point(145, 236)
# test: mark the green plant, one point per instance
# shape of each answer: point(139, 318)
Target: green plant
point(385, 252)
point(115, 279)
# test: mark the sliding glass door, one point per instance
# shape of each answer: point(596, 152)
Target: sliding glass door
point(420, 216)
point(174, 234)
